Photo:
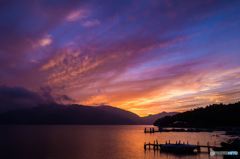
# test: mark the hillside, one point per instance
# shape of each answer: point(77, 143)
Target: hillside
point(21, 106)
point(72, 114)
point(217, 115)
point(152, 118)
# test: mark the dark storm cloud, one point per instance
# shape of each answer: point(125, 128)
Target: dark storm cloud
point(16, 98)
point(12, 98)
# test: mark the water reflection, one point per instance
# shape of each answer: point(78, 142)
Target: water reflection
point(92, 142)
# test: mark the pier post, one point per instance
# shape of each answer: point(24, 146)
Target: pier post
point(198, 149)
point(145, 147)
point(145, 130)
point(154, 145)
point(208, 147)
point(149, 146)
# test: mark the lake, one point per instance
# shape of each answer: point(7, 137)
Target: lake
point(93, 142)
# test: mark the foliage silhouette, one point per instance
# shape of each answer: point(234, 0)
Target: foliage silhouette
point(216, 115)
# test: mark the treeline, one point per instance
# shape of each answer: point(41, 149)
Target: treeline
point(216, 115)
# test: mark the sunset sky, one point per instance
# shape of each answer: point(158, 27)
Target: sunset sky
point(145, 56)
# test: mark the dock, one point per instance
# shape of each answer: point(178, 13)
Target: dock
point(150, 130)
point(153, 130)
point(178, 146)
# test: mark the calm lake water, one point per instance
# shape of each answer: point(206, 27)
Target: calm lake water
point(93, 142)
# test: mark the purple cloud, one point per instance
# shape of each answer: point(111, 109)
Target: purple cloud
point(138, 55)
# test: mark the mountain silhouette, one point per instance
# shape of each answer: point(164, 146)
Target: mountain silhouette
point(21, 106)
point(69, 114)
point(75, 114)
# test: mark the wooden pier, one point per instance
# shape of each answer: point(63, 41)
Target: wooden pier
point(178, 145)
point(153, 130)
point(150, 130)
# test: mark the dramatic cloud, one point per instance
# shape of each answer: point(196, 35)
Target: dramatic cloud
point(12, 98)
point(16, 98)
point(45, 41)
point(143, 56)
point(77, 15)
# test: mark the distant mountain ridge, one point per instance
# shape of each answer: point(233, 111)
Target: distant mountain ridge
point(152, 118)
point(75, 114)
point(72, 114)
point(21, 106)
